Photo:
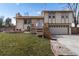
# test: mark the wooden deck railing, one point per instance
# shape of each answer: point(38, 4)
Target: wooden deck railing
point(75, 30)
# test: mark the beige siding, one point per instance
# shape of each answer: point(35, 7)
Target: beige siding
point(33, 21)
point(67, 20)
point(19, 24)
point(46, 18)
point(62, 20)
point(50, 20)
point(58, 18)
point(71, 18)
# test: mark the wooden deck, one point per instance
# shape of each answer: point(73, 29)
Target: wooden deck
point(44, 32)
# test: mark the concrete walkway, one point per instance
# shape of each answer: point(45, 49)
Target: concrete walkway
point(65, 44)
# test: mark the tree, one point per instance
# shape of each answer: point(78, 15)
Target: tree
point(74, 8)
point(8, 22)
point(1, 21)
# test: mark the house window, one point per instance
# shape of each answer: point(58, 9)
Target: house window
point(39, 24)
point(27, 21)
point(62, 16)
point(67, 17)
point(53, 16)
point(49, 16)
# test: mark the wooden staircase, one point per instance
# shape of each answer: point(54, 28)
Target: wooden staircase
point(37, 31)
point(40, 32)
point(44, 32)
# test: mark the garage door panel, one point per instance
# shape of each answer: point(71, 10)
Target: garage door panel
point(58, 30)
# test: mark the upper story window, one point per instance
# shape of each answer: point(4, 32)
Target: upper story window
point(27, 21)
point(65, 15)
point(53, 16)
point(49, 16)
point(62, 16)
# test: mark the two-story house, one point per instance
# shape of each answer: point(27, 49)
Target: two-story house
point(59, 22)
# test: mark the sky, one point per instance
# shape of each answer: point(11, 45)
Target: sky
point(33, 9)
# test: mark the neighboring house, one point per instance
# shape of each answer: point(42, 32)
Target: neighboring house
point(59, 22)
point(7, 29)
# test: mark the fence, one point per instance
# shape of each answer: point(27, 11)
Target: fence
point(75, 30)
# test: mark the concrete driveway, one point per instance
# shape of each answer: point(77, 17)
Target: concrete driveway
point(71, 42)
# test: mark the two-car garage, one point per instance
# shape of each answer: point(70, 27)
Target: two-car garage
point(59, 29)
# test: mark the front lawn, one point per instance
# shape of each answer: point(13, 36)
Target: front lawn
point(21, 44)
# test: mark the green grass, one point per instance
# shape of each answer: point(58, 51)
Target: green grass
point(21, 44)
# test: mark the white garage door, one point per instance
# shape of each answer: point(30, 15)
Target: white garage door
point(58, 30)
